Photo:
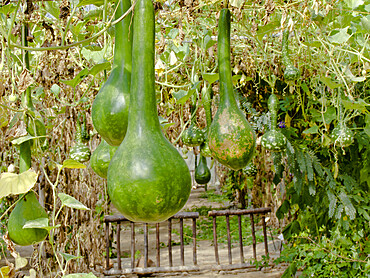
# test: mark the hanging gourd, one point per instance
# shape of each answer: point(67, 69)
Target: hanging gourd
point(101, 158)
point(85, 136)
point(206, 99)
point(80, 151)
point(250, 170)
point(148, 180)
point(202, 172)
point(273, 140)
point(27, 209)
point(193, 136)
point(110, 108)
point(231, 138)
point(342, 136)
point(291, 73)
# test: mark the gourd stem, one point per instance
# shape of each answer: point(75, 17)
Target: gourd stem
point(226, 86)
point(143, 109)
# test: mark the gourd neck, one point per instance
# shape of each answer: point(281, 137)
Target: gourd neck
point(143, 116)
point(123, 38)
point(285, 49)
point(227, 97)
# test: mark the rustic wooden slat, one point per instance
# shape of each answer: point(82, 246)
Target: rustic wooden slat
point(133, 245)
point(238, 212)
point(215, 240)
point(170, 242)
point(228, 239)
point(253, 237)
point(182, 255)
point(107, 244)
point(158, 245)
point(119, 245)
point(146, 245)
point(265, 235)
point(194, 241)
point(179, 215)
point(240, 239)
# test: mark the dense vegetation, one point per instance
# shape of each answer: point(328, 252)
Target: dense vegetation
point(58, 54)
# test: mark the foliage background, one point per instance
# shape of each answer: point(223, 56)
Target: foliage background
point(317, 187)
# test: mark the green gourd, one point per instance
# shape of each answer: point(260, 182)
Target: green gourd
point(101, 158)
point(28, 208)
point(291, 73)
point(110, 108)
point(148, 180)
point(85, 136)
point(231, 139)
point(250, 170)
point(192, 136)
point(273, 140)
point(80, 151)
point(342, 136)
point(202, 172)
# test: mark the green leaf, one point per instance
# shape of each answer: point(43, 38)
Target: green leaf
point(312, 130)
point(69, 257)
point(267, 29)
point(91, 2)
point(99, 67)
point(71, 202)
point(78, 78)
point(353, 4)
point(23, 139)
point(329, 82)
point(55, 89)
point(348, 207)
point(283, 209)
point(52, 8)
point(11, 183)
point(40, 223)
point(332, 203)
point(211, 77)
point(20, 262)
point(72, 164)
point(80, 275)
point(340, 37)
point(359, 104)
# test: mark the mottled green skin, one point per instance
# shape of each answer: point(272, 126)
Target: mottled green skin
point(202, 172)
point(110, 108)
point(231, 139)
point(291, 73)
point(193, 136)
point(273, 140)
point(148, 180)
point(101, 158)
point(25, 210)
point(342, 136)
point(80, 152)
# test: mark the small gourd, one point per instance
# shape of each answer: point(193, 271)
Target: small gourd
point(204, 149)
point(342, 136)
point(110, 108)
point(202, 172)
point(291, 73)
point(273, 140)
point(148, 180)
point(85, 136)
point(250, 170)
point(101, 158)
point(27, 209)
point(192, 136)
point(231, 139)
point(80, 151)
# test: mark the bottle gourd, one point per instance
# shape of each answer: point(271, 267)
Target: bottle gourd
point(101, 158)
point(231, 138)
point(110, 108)
point(202, 173)
point(25, 210)
point(148, 180)
point(273, 140)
